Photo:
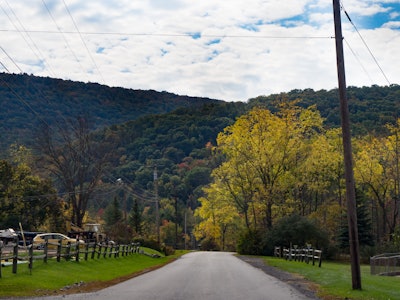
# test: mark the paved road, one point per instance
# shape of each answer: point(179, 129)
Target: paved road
point(199, 276)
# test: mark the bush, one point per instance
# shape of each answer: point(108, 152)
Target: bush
point(168, 250)
point(209, 244)
point(251, 243)
point(296, 230)
point(152, 244)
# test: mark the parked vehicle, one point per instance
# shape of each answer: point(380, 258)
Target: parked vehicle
point(91, 232)
point(25, 238)
point(53, 240)
point(8, 235)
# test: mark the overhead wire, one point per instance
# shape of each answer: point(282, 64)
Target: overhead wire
point(358, 60)
point(174, 34)
point(62, 34)
point(144, 196)
point(365, 44)
point(12, 60)
point(83, 42)
point(31, 43)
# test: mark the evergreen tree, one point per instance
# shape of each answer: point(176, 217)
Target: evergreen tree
point(136, 218)
point(365, 237)
point(112, 214)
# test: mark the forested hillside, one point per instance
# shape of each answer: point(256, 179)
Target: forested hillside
point(370, 107)
point(113, 150)
point(26, 101)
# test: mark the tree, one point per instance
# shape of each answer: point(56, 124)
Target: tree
point(217, 216)
point(365, 236)
point(118, 230)
point(76, 160)
point(374, 170)
point(297, 230)
point(135, 218)
point(27, 199)
point(265, 150)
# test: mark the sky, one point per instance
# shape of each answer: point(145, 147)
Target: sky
point(228, 50)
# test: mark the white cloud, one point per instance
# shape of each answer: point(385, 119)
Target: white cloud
point(238, 49)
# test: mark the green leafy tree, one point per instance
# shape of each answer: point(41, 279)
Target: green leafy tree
point(296, 230)
point(27, 199)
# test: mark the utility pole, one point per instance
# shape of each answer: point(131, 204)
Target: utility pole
point(347, 150)
point(155, 177)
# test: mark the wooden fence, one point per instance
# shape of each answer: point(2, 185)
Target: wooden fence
point(17, 254)
point(300, 254)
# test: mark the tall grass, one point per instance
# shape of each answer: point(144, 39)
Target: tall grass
point(334, 279)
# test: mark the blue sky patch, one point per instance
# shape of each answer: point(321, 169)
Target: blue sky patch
point(100, 50)
point(292, 22)
point(195, 35)
point(164, 52)
point(250, 27)
point(376, 20)
point(213, 42)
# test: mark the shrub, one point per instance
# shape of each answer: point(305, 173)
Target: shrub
point(168, 250)
point(209, 244)
point(296, 230)
point(251, 243)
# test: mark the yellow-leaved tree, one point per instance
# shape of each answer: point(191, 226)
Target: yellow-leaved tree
point(264, 153)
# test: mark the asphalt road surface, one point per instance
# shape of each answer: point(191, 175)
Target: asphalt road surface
point(198, 276)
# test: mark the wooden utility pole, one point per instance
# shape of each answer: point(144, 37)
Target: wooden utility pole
point(348, 156)
point(155, 177)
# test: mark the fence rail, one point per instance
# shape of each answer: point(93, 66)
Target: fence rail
point(307, 254)
point(385, 264)
point(16, 254)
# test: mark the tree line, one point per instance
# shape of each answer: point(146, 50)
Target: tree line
point(287, 163)
point(227, 173)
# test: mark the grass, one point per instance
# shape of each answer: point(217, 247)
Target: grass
point(47, 278)
point(334, 280)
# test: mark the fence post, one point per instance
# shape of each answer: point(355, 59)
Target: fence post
point(77, 251)
point(99, 253)
point(313, 257)
point(86, 250)
point(320, 259)
point(46, 249)
point(1, 250)
point(93, 250)
point(15, 258)
point(105, 246)
point(68, 252)
point(58, 250)
point(30, 258)
point(111, 250)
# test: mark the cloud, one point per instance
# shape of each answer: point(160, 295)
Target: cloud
point(230, 50)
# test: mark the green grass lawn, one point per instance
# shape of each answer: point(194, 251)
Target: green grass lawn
point(52, 276)
point(334, 279)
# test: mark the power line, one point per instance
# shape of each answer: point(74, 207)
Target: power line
point(172, 34)
point(63, 35)
point(359, 61)
point(365, 44)
point(12, 60)
point(84, 43)
point(36, 52)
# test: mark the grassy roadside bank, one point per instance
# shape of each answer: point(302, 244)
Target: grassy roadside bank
point(334, 280)
point(66, 276)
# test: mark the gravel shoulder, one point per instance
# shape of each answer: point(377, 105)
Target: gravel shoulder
point(304, 286)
